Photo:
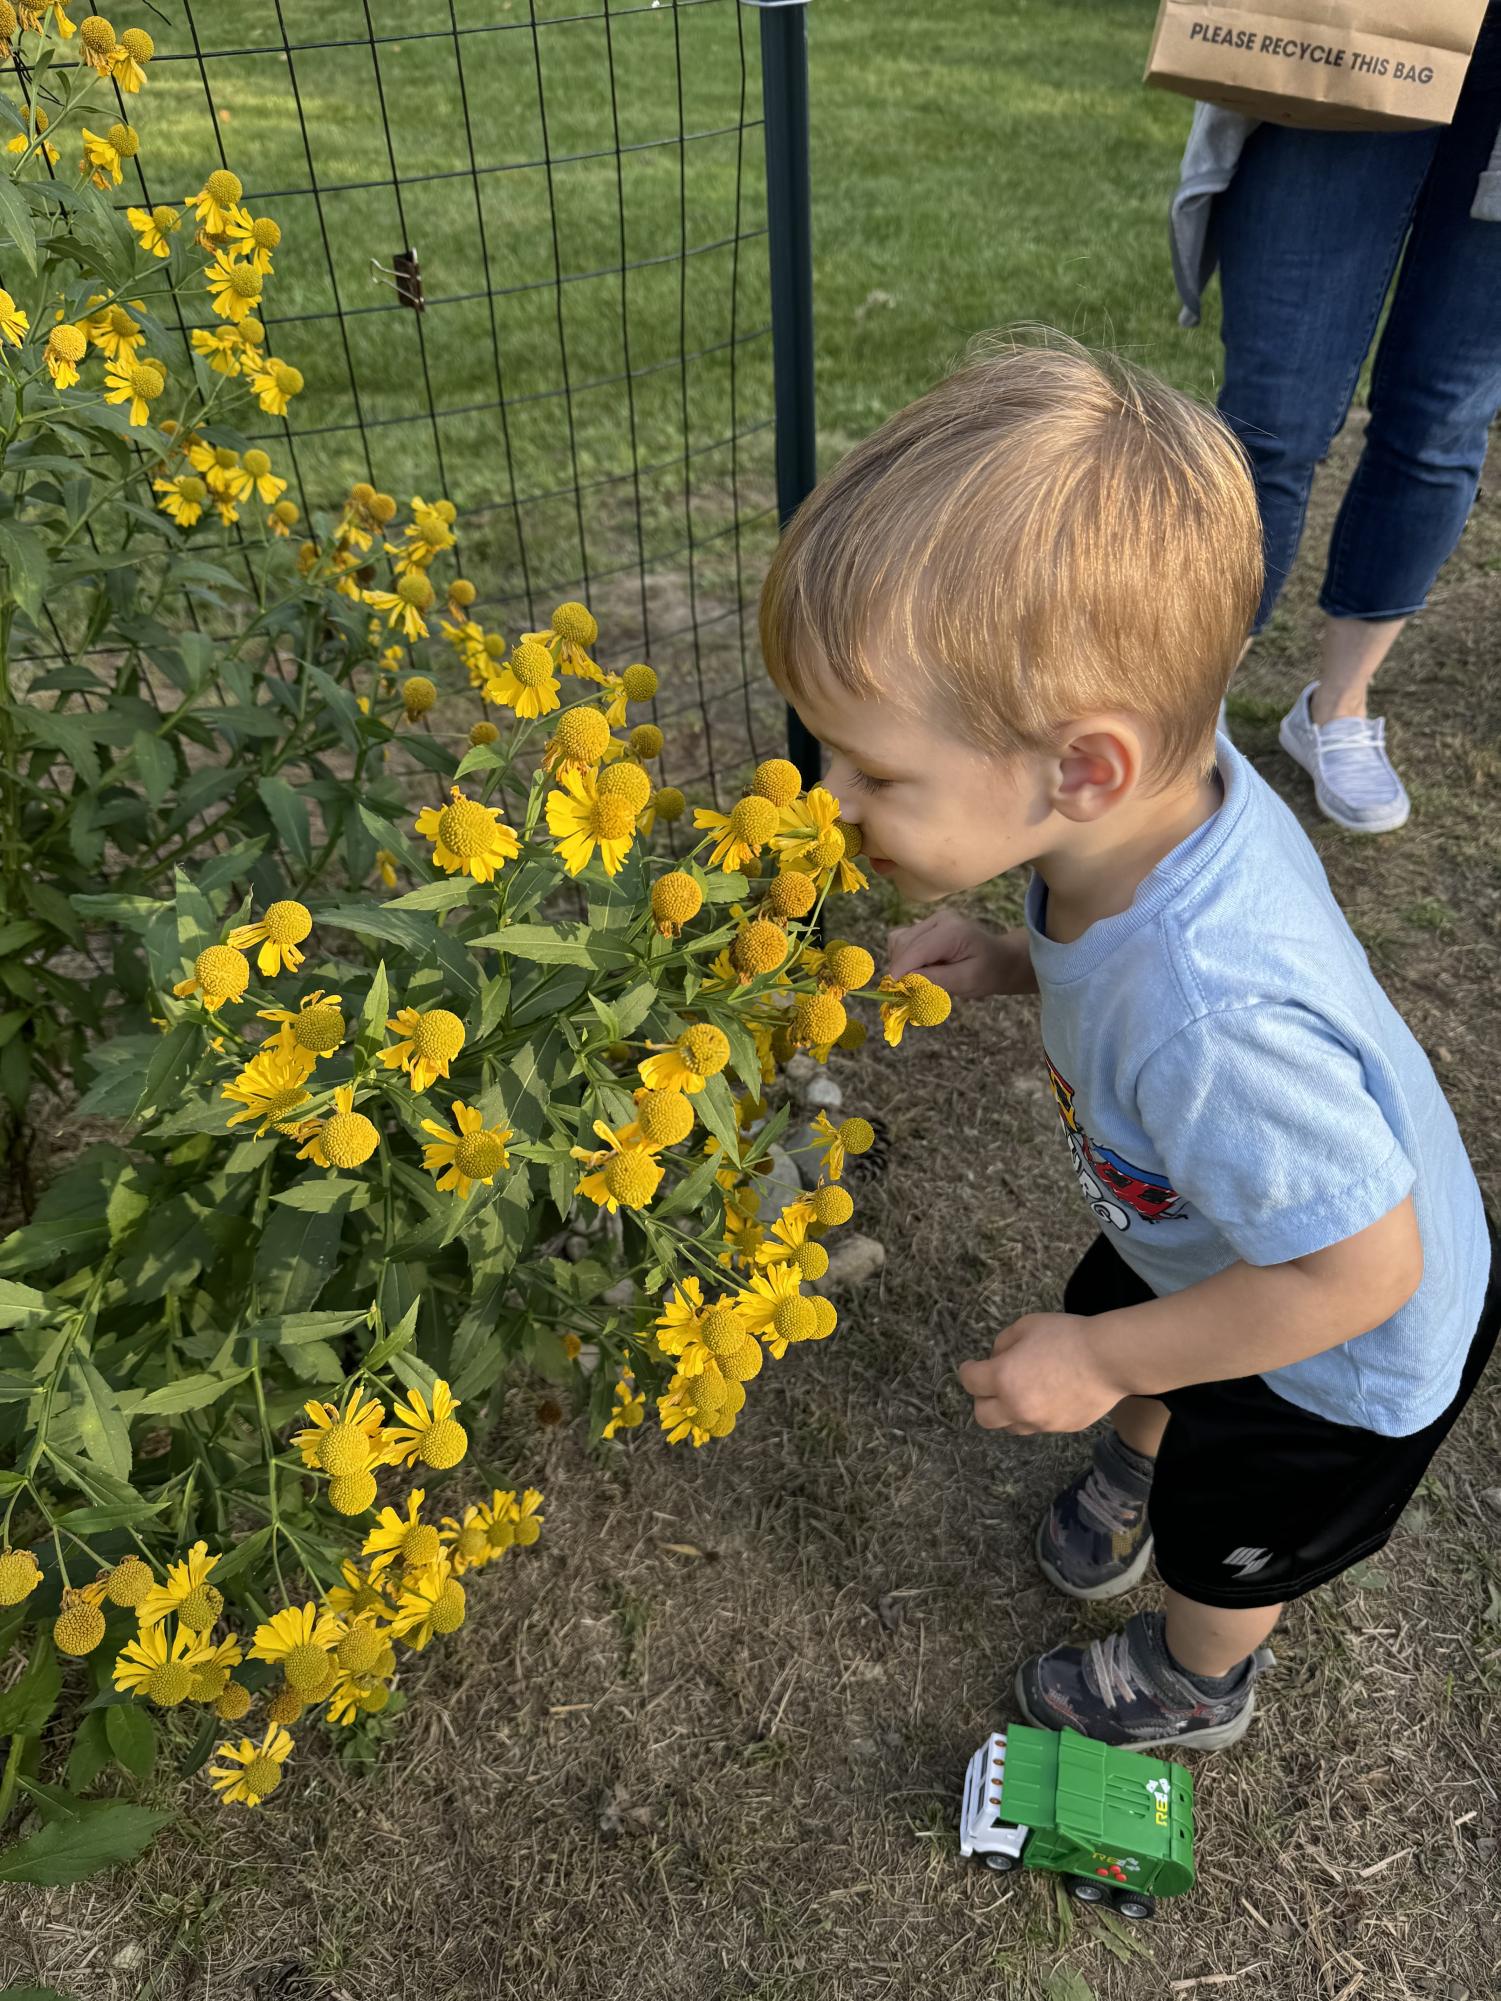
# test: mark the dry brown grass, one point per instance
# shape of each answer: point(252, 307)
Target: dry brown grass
point(644, 1773)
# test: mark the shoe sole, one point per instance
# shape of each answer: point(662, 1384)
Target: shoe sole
point(1113, 1587)
point(1394, 818)
point(1213, 1736)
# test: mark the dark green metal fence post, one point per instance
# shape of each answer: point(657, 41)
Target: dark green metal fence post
point(784, 88)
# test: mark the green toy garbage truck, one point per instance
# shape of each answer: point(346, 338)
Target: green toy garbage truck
point(1116, 1825)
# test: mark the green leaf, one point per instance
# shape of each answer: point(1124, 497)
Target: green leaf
point(435, 896)
point(287, 1329)
point(70, 734)
point(716, 1108)
point(1064, 1984)
point(132, 1738)
point(192, 1392)
point(689, 1192)
point(558, 945)
point(395, 1339)
point(15, 219)
point(104, 1432)
point(89, 1753)
point(319, 1193)
point(67, 1851)
point(20, 1303)
point(27, 1703)
point(168, 1070)
point(156, 764)
point(289, 816)
point(245, 1552)
point(370, 1031)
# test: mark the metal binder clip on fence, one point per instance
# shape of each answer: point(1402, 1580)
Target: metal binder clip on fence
point(405, 275)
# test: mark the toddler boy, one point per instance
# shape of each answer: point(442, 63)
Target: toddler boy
point(1010, 617)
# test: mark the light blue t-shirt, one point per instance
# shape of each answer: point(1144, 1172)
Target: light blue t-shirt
point(1234, 1084)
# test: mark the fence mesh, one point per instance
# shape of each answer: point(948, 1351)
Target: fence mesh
point(578, 197)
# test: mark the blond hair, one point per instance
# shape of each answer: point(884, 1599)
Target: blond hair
point(1047, 534)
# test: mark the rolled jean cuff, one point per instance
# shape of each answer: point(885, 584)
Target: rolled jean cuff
point(1332, 610)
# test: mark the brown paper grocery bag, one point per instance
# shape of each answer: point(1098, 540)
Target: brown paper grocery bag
point(1352, 64)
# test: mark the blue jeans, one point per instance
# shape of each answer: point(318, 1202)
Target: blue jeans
point(1310, 232)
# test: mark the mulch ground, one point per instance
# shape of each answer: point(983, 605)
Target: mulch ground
point(705, 1740)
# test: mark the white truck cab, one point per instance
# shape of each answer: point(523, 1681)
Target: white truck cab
point(982, 1831)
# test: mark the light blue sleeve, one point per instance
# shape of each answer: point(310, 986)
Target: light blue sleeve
point(1267, 1126)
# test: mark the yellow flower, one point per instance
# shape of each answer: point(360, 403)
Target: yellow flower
point(13, 322)
point(432, 1604)
point(572, 631)
point(740, 834)
point(427, 534)
point(773, 1306)
point(254, 239)
point(340, 1441)
point(254, 1770)
point(279, 931)
point(270, 1087)
point(834, 1142)
point(253, 475)
point(66, 347)
point(346, 1138)
point(223, 348)
point(137, 383)
point(430, 1042)
point(385, 867)
point(104, 151)
point(580, 739)
point(186, 1592)
point(160, 1666)
point(274, 383)
point(468, 836)
point(113, 331)
point(182, 497)
point(625, 1175)
point(404, 1539)
point(129, 57)
point(581, 818)
point(217, 203)
point(97, 43)
point(299, 1637)
point(358, 1593)
point(36, 121)
point(913, 999)
point(629, 1407)
point(235, 287)
point(314, 1029)
point(469, 1152)
point(526, 683)
point(789, 1234)
point(20, 1574)
point(467, 1542)
point(436, 1438)
point(699, 1053)
point(405, 605)
point(79, 1625)
point(220, 974)
point(283, 518)
point(153, 226)
point(810, 841)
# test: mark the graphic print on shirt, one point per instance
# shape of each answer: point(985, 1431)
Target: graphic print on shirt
point(1113, 1188)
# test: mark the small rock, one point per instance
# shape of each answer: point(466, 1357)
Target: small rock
point(823, 1093)
point(780, 1184)
point(796, 1144)
point(575, 1247)
point(1492, 1498)
point(800, 1072)
point(622, 1293)
point(853, 1260)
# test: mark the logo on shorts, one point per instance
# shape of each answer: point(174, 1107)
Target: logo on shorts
point(1246, 1562)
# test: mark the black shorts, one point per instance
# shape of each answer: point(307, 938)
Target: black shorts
point(1255, 1500)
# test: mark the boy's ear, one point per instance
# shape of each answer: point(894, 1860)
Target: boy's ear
point(1097, 769)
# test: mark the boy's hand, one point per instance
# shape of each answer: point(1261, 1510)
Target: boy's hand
point(963, 957)
point(1044, 1374)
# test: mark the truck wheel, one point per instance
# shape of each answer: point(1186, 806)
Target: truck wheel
point(1085, 1890)
point(1001, 1864)
point(1135, 1904)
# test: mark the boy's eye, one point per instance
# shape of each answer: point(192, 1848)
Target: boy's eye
point(866, 783)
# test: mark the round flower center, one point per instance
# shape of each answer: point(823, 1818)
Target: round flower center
point(200, 1608)
point(676, 897)
point(222, 972)
point(811, 1260)
point(501, 1533)
point(359, 1649)
point(791, 895)
point(245, 281)
point(287, 378)
point(709, 1393)
point(483, 733)
point(250, 329)
point(125, 140)
point(465, 828)
point(777, 779)
point(169, 1684)
point(281, 1104)
point(420, 1546)
point(138, 45)
point(351, 1493)
point(639, 682)
point(760, 947)
point(629, 782)
point(448, 1611)
point(461, 592)
point(233, 1703)
point(209, 1683)
point(286, 923)
point(343, 1448)
point(225, 458)
point(79, 1629)
point(98, 35)
point(665, 1117)
point(258, 463)
point(582, 735)
point(854, 840)
point(858, 1135)
point(192, 489)
point(418, 695)
point(832, 1206)
point(721, 1331)
point(443, 1444)
point(305, 1666)
point(224, 187)
point(19, 1576)
point(415, 589)
point(753, 820)
point(262, 1776)
point(146, 379)
point(669, 803)
point(705, 1048)
point(68, 343)
point(478, 1155)
point(320, 1029)
point(631, 1179)
point(818, 1018)
point(794, 1318)
point(849, 966)
point(646, 740)
point(472, 1544)
point(611, 817)
point(264, 233)
point(574, 621)
point(285, 512)
point(164, 219)
point(438, 1036)
point(129, 1581)
point(828, 849)
point(531, 663)
point(348, 1139)
point(927, 1002)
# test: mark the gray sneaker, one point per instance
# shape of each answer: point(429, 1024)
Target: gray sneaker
point(1094, 1542)
point(1353, 779)
point(1127, 1690)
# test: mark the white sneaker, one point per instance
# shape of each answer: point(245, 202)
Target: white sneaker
point(1353, 779)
